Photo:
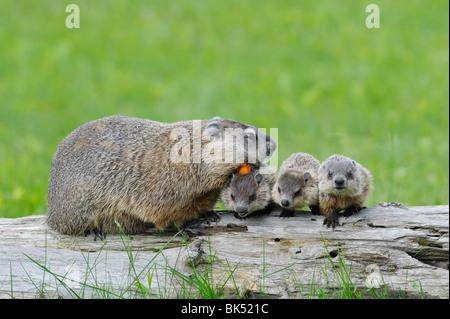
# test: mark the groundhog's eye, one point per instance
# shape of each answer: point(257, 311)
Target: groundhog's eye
point(279, 190)
point(350, 174)
point(329, 174)
point(298, 193)
point(232, 197)
point(252, 197)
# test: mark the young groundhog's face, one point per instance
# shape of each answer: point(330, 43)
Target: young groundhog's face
point(290, 187)
point(340, 177)
point(247, 193)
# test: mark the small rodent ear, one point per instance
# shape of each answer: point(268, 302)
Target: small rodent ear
point(354, 164)
point(214, 130)
point(306, 177)
point(230, 178)
point(258, 178)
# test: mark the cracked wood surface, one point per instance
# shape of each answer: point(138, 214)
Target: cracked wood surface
point(405, 247)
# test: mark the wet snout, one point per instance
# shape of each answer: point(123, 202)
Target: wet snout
point(340, 182)
point(285, 202)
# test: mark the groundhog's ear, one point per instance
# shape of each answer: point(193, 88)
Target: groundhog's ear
point(306, 177)
point(214, 130)
point(258, 178)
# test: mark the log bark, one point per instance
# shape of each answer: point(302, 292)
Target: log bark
point(403, 250)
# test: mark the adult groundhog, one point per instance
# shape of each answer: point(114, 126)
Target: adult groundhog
point(248, 191)
point(297, 184)
point(343, 184)
point(136, 172)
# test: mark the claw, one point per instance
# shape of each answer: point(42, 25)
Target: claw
point(97, 234)
point(287, 213)
point(185, 230)
point(209, 216)
point(349, 211)
point(101, 235)
point(332, 221)
point(195, 225)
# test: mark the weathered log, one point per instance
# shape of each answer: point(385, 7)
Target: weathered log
point(403, 250)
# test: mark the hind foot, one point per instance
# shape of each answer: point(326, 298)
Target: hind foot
point(97, 234)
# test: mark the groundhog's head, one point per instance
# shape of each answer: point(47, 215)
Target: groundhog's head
point(235, 142)
point(246, 193)
point(339, 175)
point(290, 187)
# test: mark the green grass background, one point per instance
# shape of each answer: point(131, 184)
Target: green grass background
point(309, 68)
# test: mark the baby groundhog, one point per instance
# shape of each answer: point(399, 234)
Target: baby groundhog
point(343, 184)
point(297, 184)
point(248, 190)
point(138, 172)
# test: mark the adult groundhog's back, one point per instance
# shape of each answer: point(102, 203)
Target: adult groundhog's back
point(109, 137)
point(105, 148)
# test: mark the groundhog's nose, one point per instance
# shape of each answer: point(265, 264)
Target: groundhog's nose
point(339, 182)
point(285, 203)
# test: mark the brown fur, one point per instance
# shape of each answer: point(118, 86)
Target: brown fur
point(350, 196)
point(257, 183)
point(297, 183)
point(120, 169)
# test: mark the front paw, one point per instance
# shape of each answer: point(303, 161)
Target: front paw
point(191, 226)
point(331, 220)
point(285, 213)
point(196, 225)
point(349, 211)
point(208, 217)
